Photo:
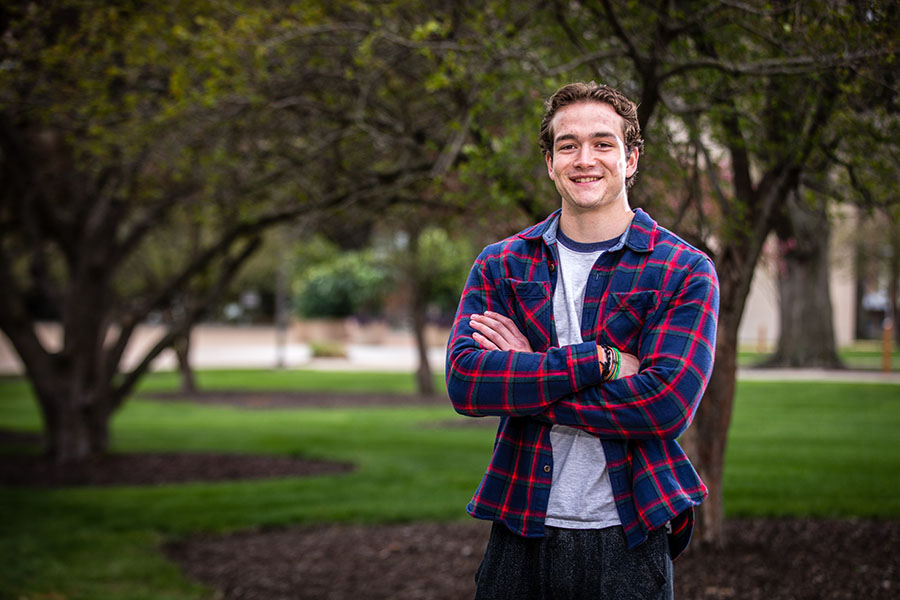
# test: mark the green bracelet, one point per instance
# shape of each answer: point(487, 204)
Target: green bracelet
point(618, 359)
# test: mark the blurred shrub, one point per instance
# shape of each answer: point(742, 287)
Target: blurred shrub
point(349, 283)
point(322, 349)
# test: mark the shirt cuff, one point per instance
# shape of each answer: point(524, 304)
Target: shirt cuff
point(586, 365)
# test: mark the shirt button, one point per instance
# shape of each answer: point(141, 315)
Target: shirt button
point(551, 266)
point(546, 468)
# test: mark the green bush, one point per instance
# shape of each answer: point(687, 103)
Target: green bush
point(348, 284)
point(328, 350)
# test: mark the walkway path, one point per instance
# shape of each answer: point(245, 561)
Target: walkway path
point(258, 347)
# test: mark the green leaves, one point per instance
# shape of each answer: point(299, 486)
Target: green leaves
point(349, 284)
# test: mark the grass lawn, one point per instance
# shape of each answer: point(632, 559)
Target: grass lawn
point(863, 355)
point(795, 449)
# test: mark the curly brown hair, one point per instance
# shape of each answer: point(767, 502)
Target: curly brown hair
point(592, 92)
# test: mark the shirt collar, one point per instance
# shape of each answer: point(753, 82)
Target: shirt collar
point(639, 236)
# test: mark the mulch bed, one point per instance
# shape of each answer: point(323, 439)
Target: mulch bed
point(764, 559)
point(789, 559)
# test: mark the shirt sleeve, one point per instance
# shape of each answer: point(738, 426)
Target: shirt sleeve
point(506, 383)
point(676, 353)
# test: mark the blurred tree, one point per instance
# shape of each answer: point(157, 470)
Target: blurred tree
point(433, 266)
point(162, 254)
point(96, 132)
point(432, 68)
point(119, 123)
point(859, 125)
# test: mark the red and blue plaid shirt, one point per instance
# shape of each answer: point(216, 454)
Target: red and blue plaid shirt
point(652, 295)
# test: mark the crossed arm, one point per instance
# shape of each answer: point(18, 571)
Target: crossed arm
point(492, 369)
point(494, 331)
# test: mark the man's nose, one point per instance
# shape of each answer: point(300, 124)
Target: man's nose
point(585, 157)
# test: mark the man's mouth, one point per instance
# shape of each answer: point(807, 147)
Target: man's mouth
point(585, 179)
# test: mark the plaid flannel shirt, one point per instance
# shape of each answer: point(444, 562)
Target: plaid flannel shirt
point(652, 295)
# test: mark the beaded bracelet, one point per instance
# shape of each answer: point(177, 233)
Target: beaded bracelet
point(605, 364)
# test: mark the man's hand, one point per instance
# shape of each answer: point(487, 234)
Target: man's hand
point(629, 366)
point(494, 331)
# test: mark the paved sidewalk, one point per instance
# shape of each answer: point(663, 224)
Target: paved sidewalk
point(834, 375)
point(217, 346)
point(214, 346)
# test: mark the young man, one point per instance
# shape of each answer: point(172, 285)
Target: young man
point(591, 334)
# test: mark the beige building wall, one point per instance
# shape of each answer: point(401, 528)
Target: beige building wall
point(843, 277)
point(759, 324)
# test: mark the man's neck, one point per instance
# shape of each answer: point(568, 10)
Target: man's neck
point(595, 226)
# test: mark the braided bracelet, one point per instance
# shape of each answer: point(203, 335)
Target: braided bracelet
point(605, 365)
point(611, 366)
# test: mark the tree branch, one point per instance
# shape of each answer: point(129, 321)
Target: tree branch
point(792, 65)
point(152, 218)
point(587, 57)
point(16, 324)
point(560, 12)
point(454, 145)
point(613, 18)
point(227, 273)
point(856, 182)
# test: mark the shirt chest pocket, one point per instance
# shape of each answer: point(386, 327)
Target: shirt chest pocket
point(624, 317)
point(528, 304)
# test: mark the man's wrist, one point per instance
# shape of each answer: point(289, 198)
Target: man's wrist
point(610, 362)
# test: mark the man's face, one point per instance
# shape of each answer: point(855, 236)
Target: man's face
point(588, 164)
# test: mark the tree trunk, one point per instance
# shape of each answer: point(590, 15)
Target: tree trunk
point(76, 422)
point(806, 338)
point(182, 348)
point(424, 376)
point(182, 343)
point(706, 439)
point(418, 306)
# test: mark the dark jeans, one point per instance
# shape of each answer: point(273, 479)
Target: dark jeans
point(572, 564)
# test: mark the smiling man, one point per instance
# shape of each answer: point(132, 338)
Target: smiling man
point(591, 335)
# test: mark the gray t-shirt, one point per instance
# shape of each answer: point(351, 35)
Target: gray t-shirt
point(581, 496)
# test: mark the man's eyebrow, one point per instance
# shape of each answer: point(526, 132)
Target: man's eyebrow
point(593, 136)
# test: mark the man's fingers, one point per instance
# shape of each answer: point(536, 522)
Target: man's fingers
point(511, 331)
point(495, 330)
point(484, 342)
point(489, 332)
point(486, 323)
point(500, 330)
point(483, 327)
point(504, 323)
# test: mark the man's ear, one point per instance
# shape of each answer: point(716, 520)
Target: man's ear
point(548, 157)
point(631, 162)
